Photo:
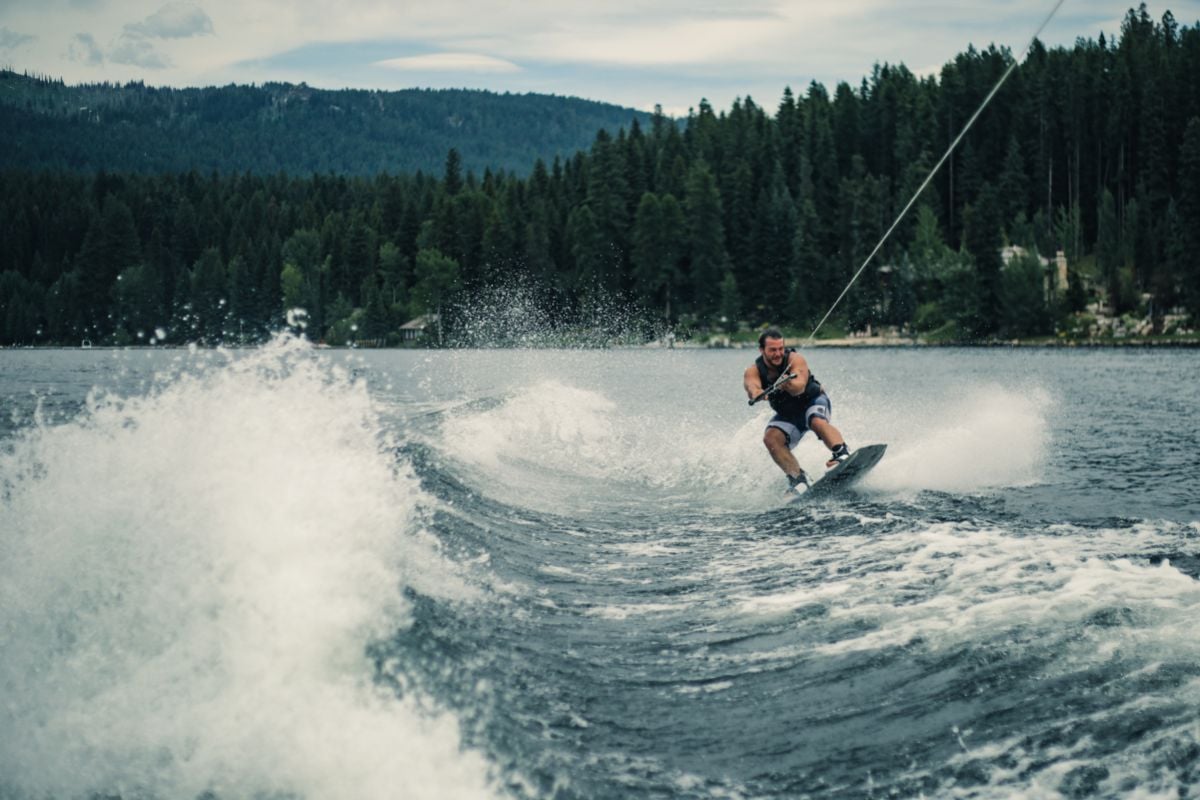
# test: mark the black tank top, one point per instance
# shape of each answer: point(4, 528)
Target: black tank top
point(785, 404)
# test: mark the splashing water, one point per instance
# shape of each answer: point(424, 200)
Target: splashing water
point(188, 584)
point(987, 436)
point(518, 313)
point(564, 434)
point(207, 585)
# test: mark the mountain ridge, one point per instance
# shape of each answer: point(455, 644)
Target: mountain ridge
point(290, 128)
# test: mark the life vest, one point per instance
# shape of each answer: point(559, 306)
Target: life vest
point(785, 403)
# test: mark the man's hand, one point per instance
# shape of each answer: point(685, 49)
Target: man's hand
point(780, 384)
point(777, 386)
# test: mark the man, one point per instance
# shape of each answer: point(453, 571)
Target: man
point(800, 405)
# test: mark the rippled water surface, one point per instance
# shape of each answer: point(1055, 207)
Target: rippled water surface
point(569, 574)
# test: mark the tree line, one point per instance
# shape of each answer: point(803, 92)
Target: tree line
point(742, 217)
point(285, 127)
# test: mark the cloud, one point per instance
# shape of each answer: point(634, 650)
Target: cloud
point(177, 20)
point(84, 50)
point(449, 62)
point(670, 51)
point(174, 21)
point(10, 40)
point(136, 51)
point(676, 42)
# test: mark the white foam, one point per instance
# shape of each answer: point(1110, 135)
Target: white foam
point(956, 585)
point(982, 436)
point(626, 611)
point(188, 583)
point(562, 439)
point(987, 437)
point(557, 424)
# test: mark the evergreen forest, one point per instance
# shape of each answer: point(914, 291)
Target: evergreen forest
point(288, 128)
point(726, 220)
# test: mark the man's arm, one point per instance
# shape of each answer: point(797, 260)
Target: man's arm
point(752, 383)
point(798, 367)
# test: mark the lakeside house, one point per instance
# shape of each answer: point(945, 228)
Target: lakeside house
point(1054, 272)
point(415, 329)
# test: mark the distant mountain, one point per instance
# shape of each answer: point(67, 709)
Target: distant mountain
point(295, 129)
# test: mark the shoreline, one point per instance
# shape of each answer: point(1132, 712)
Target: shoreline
point(911, 343)
point(1018, 343)
point(874, 342)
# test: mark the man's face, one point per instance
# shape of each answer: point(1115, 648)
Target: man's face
point(772, 351)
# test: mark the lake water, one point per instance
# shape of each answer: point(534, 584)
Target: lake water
point(570, 574)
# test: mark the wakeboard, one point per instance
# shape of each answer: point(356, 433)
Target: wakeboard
point(841, 477)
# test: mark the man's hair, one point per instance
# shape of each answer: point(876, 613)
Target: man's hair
point(769, 333)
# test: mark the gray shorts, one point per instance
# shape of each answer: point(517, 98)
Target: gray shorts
point(794, 429)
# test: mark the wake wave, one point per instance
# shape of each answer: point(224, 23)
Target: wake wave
point(188, 583)
point(580, 445)
point(987, 437)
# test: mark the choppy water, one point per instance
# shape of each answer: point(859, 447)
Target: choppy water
point(548, 574)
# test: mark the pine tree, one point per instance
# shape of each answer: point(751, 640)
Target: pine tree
point(807, 266)
point(394, 272)
point(1189, 214)
point(209, 304)
point(538, 258)
point(657, 247)
point(21, 302)
point(983, 238)
point(137, 303)
point(187, 244)
point(471, 212)
point(589, 251)
point(823, 159)
point(773, 236)
point(241, 291)
point(706, 257)
point(301, 276)
point(66, 315)
point(359, 257)
point(790, 122)
point(607, 191)
point(376, 317)
point(437, 277)
point(1165, 288)
point(1013, 182)
point(730, 306)
point(738, 199)
point(452, 178)
point(860, 228)
point(111, 245)
point(1108, 249)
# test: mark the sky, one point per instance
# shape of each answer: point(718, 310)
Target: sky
point(635, 53)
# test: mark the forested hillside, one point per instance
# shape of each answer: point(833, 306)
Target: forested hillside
point(747, 215)
point(284, 128)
